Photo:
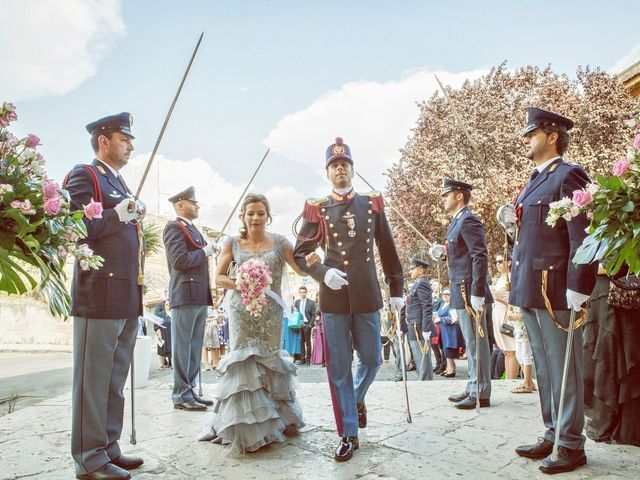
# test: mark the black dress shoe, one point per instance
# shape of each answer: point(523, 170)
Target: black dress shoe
point(542, 449)
point(362, 415)
point(568, 460)
point(345, 449)
point(469, 403)
point(203, 401)
point(108, 471)
point(458, 398)
point(190, 405)
point(128, 462)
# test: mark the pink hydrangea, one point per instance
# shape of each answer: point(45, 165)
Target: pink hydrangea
point(582, 198)
point(25, 207)
point(52, 206)
point(93, 210)
point(32, 141)
point(51, 189)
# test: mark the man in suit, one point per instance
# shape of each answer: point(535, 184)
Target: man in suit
point(347, 224)
point(106, 303)
point(546, 285)
point(307, 308)
point(468, 262)
point(419, 318)
point(189, 295)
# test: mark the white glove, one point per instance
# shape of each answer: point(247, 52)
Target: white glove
point(126, 210)
point(477, 303)
point(335, 279)
point(209, 249)
point(575, 300)
point(396, 304)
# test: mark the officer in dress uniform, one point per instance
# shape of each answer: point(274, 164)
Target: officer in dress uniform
point(420, 318)
point(545, 284)
point(468, 262)
point(189, 295)
point(347, 224)
point(106, 303)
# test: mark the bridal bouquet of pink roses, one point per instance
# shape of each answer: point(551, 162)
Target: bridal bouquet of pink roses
point(612, 203)
point(37, 227)
point(253, 279)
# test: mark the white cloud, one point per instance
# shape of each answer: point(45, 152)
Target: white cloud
point(54, 46)
point(628, 59)
point(375, 119)
point(217, 196)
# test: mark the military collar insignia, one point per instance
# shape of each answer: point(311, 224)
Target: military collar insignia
point(101, 169)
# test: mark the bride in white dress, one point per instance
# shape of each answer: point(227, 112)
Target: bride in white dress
point(256, 402)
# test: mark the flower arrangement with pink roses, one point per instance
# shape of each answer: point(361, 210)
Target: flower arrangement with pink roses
point(253, 279)
point(37, 228)
point(612, 203)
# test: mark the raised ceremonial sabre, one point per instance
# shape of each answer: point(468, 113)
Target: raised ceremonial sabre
point(166, 119)
point(141, 210)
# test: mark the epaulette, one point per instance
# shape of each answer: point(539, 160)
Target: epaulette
point(317, 201)
point(376, 200)
point(311, 212)
point(371, 194)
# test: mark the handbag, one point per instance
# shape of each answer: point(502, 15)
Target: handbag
point(506, 328)
point(295, 321)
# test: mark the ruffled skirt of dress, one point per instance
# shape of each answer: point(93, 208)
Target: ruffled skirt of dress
point(256, 400)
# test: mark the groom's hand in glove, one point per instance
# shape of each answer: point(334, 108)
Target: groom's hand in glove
point(335, 279)
point(477, 303)
point(209, 249)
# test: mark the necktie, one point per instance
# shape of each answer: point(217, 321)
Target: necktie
point(122, 184)
point(534, 174)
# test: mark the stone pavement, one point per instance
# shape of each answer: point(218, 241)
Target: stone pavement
point(442, 442)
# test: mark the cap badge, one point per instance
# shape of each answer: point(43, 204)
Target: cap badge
point(338, 150)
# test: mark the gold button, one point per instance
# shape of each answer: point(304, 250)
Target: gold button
point(550, 267)
point(111, 274)
point(368, 240)
point(369, 220)
point(339, 244)
point(539, 201)
point(323, 210)
point(331, 225)
point(368, 249)
point(368, 259)
point(370, 202)
point(327, 217)
point(517, 262)
point(346, 262)
point(370, 212)
point(343, 253)
point(191, 279)
point(368, 230)
point(335, 234)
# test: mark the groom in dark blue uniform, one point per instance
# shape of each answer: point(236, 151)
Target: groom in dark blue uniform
point(546, 285)
point(347, 224)
point(106, 303)
point(468, 261)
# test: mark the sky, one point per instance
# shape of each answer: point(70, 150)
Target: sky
point(286, 75)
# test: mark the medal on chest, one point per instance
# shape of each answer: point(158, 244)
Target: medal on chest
point(350, 220)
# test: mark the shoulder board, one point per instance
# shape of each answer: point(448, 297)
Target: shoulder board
point(317, 201)
point(371, 194)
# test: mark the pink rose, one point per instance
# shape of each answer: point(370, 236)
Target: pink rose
point(52, 206)
point(93, 210)
point(582, 198)
point(621, 167)
point(32, 141)
point(51, 189)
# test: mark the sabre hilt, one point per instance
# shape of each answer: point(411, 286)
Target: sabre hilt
point(438, 252)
